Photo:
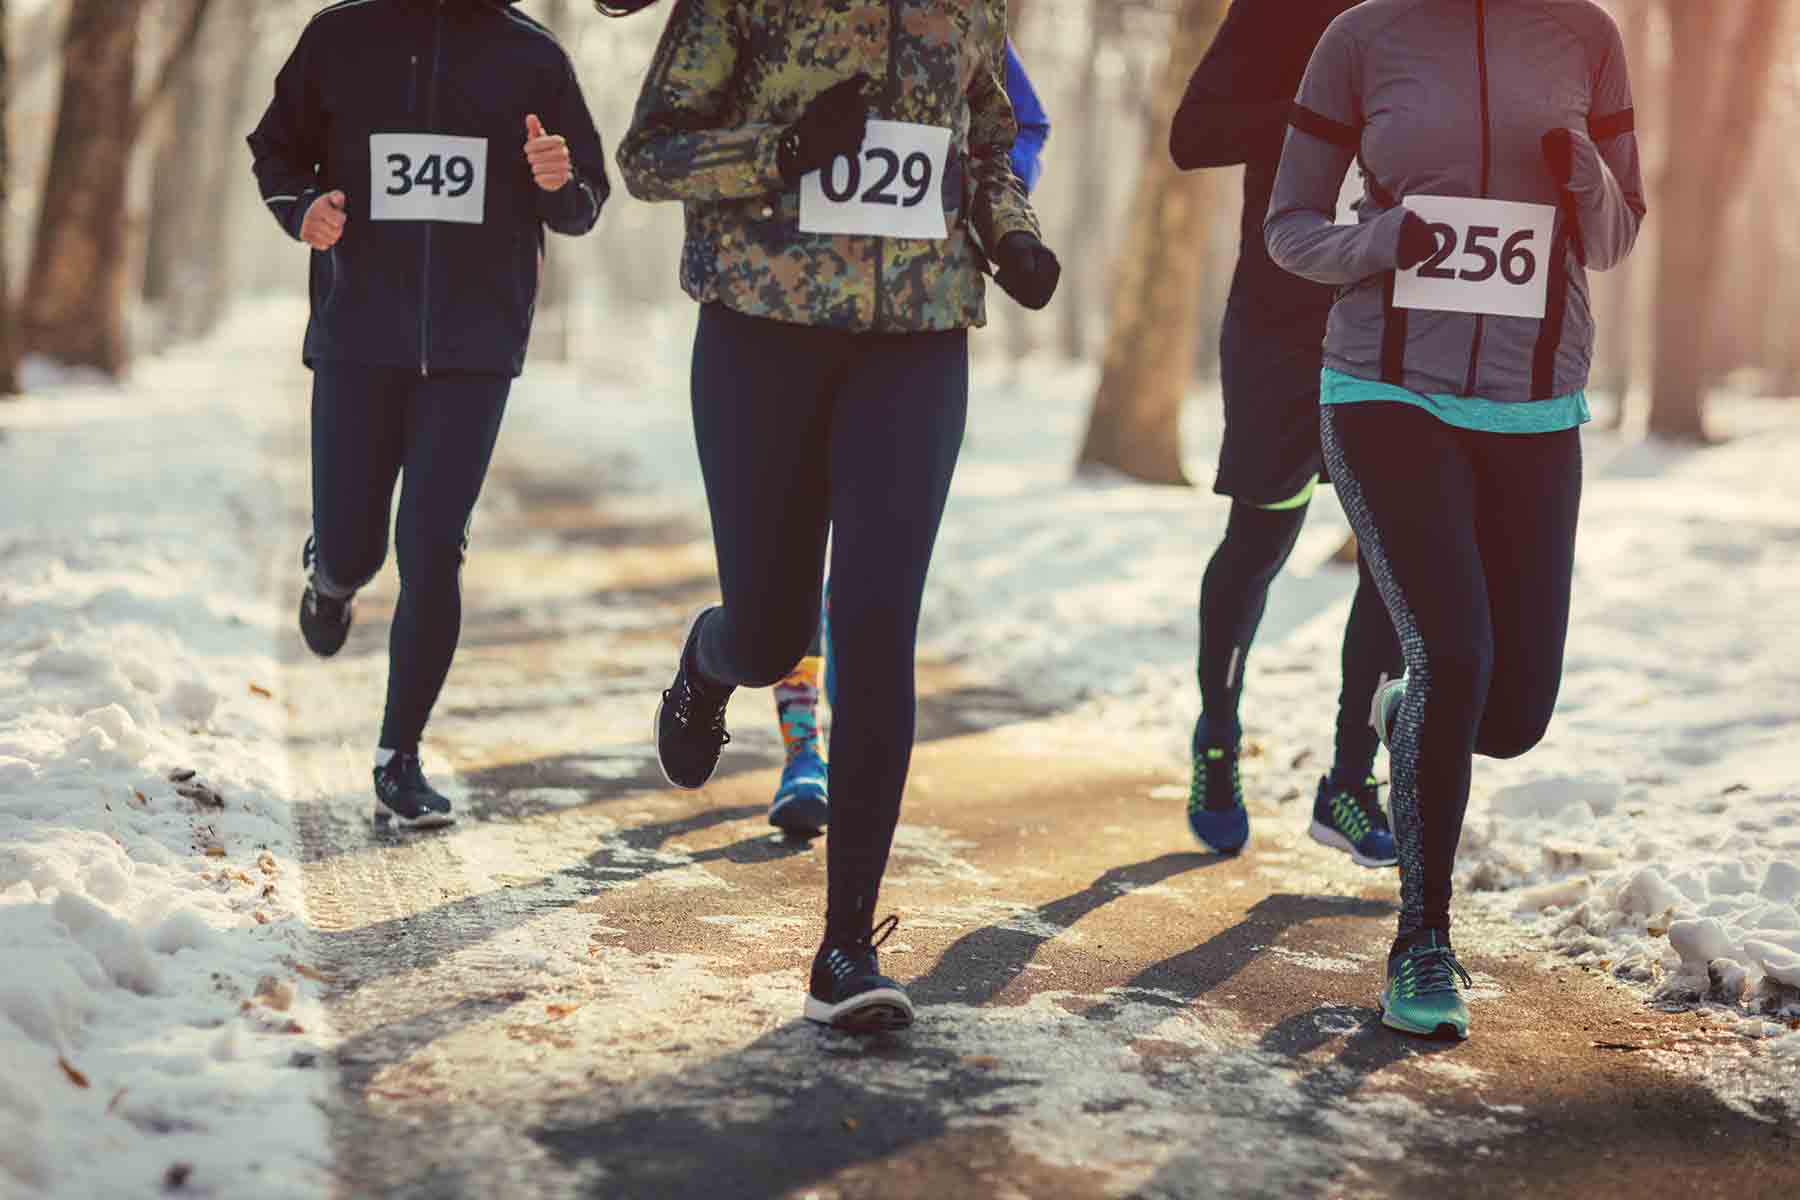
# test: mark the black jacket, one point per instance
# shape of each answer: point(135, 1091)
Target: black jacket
point(453, 289)
point(1236, 111)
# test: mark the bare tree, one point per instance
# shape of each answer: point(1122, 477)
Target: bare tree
point(9, 352)
point(1154, 313)
point(1722, 59)
point(74, 303)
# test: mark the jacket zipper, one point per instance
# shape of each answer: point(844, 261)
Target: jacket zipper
point(437, 57)
point(893, 72)
point(1487, 156)
point(412, 88)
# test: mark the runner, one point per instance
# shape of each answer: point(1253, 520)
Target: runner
point(802, 803)
point(420, 149)
point(836, 180)
point(1235, 111)
point(1499, 159)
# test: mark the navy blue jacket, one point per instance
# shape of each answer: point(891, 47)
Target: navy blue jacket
point(431, 294)
point(1236, 111)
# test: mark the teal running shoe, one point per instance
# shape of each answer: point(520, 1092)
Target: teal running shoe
point(1421, 996)
point(1386, 708)
point(802, 803)
point(1216, 800)
point(1352, 820)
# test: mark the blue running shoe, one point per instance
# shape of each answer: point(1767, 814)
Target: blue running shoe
point(1351, 819)
point(1216, 800)
point(802, 804)
point(1421, 997)
point(1385, 709)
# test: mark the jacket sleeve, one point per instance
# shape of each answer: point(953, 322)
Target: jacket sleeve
point(1606, 179)
point(1000, 205)
point(287, 145)
point(1033, 123)
point(677, 147)
point(575, 207)
point(1224, 118)
point(1324, 133)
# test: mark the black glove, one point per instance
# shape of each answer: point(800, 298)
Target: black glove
point(1026, 270)
point(833, 124)
point(1417, 241)
point(1559, 153)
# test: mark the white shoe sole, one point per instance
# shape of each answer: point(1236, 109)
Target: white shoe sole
point(656, 719)
point(811, 803)
point(883, 1009)
point(388, 819)
point(1325, 835)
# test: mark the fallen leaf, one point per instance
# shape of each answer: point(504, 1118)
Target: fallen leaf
point(981, 1062)
point(1618, 1046)
point(262, 918)
point(114, 1102)
point(559, 1011)
point(311, 973)
point(143, 800)
point(268, 890)
point(257, 689)
point(293, 1027)
point(215, 852)
point(275, 993)
point(1300, 760)
point(176, 1177)
point(181, 775)
point(200, 794)
point(266, 862)
point(1735, 788)
point(75, 1077)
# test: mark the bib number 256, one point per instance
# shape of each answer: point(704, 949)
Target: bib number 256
point(894, 188)
point(427, 177)
point(1492, 258)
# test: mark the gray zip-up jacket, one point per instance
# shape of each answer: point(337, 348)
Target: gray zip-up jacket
point(1453, 98)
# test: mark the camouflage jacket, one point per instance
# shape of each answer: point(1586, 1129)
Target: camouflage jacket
point(728, 79)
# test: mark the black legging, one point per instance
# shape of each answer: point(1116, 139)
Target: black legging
point(370, 424)
point(883, 416)
point(1234, 595)
point(1472, 539)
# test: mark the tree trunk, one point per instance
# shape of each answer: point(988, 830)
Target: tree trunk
point(1154, 313)
point(1087, 207)
point(1724, 85)
point(9, 351)
point(554, 337)
point(73, 310)
point(175, 242)
point(1619, 302)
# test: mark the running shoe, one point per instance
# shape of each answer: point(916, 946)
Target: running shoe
point(1421, 996)
point(802, 803)
point(848, 990)
point(1216, 799)
point(690, 722)
point(1352, 820)
point(324, 620)
point(404, 799)
point(1386, 707)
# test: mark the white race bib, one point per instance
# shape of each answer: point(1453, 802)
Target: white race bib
point(1493, 258)
point(427, 177)
point(894, 189)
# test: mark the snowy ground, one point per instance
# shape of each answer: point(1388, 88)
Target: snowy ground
point(158, 1020)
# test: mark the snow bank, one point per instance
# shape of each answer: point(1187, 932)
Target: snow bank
point(151, 920)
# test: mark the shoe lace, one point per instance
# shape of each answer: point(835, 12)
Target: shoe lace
point(1215, 770)
point(1358, 809)
point(1431, 969)
point(690, 702)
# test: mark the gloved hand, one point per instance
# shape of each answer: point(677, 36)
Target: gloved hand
point(1026, 270)
point(833, 124)
point(1559, 153)
point(1417, 242)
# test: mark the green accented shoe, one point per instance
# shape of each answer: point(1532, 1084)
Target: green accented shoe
point(1216, 800)
point(1421, 996)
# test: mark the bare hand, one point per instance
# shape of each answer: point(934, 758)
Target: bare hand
point(324, 221)
point(548, 156)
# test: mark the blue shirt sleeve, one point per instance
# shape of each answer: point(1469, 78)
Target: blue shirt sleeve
point(1034, 124)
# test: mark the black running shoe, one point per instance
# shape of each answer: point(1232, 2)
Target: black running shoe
point(690, 721)
point(404, 799)
point(324, 620)
point(849, 991)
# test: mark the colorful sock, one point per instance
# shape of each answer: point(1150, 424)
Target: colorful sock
point(797, 706)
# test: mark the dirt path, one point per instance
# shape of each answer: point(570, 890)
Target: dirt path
point(591, 985)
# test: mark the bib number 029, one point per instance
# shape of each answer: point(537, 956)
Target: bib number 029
point(427, 177)
point(1492, 258)
point(892, 189)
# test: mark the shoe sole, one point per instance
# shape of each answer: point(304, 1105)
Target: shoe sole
point(387, 818)
point(1225, 851)
point(1444, 1032)
point(326, 650)
point(884, 1010)
point(1325, 835)
point(801, 814)
point(656, 721)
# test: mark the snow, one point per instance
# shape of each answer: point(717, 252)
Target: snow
point(150, 938)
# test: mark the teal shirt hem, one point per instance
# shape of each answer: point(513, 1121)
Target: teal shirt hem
point(1465, 412)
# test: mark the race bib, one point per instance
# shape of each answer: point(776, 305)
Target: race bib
point(427, 177)
point(893, 189)
point(1493, 258)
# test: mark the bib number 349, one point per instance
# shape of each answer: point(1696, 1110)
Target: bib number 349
point(893, 189)
point(1493, 258)
point(427, 177)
